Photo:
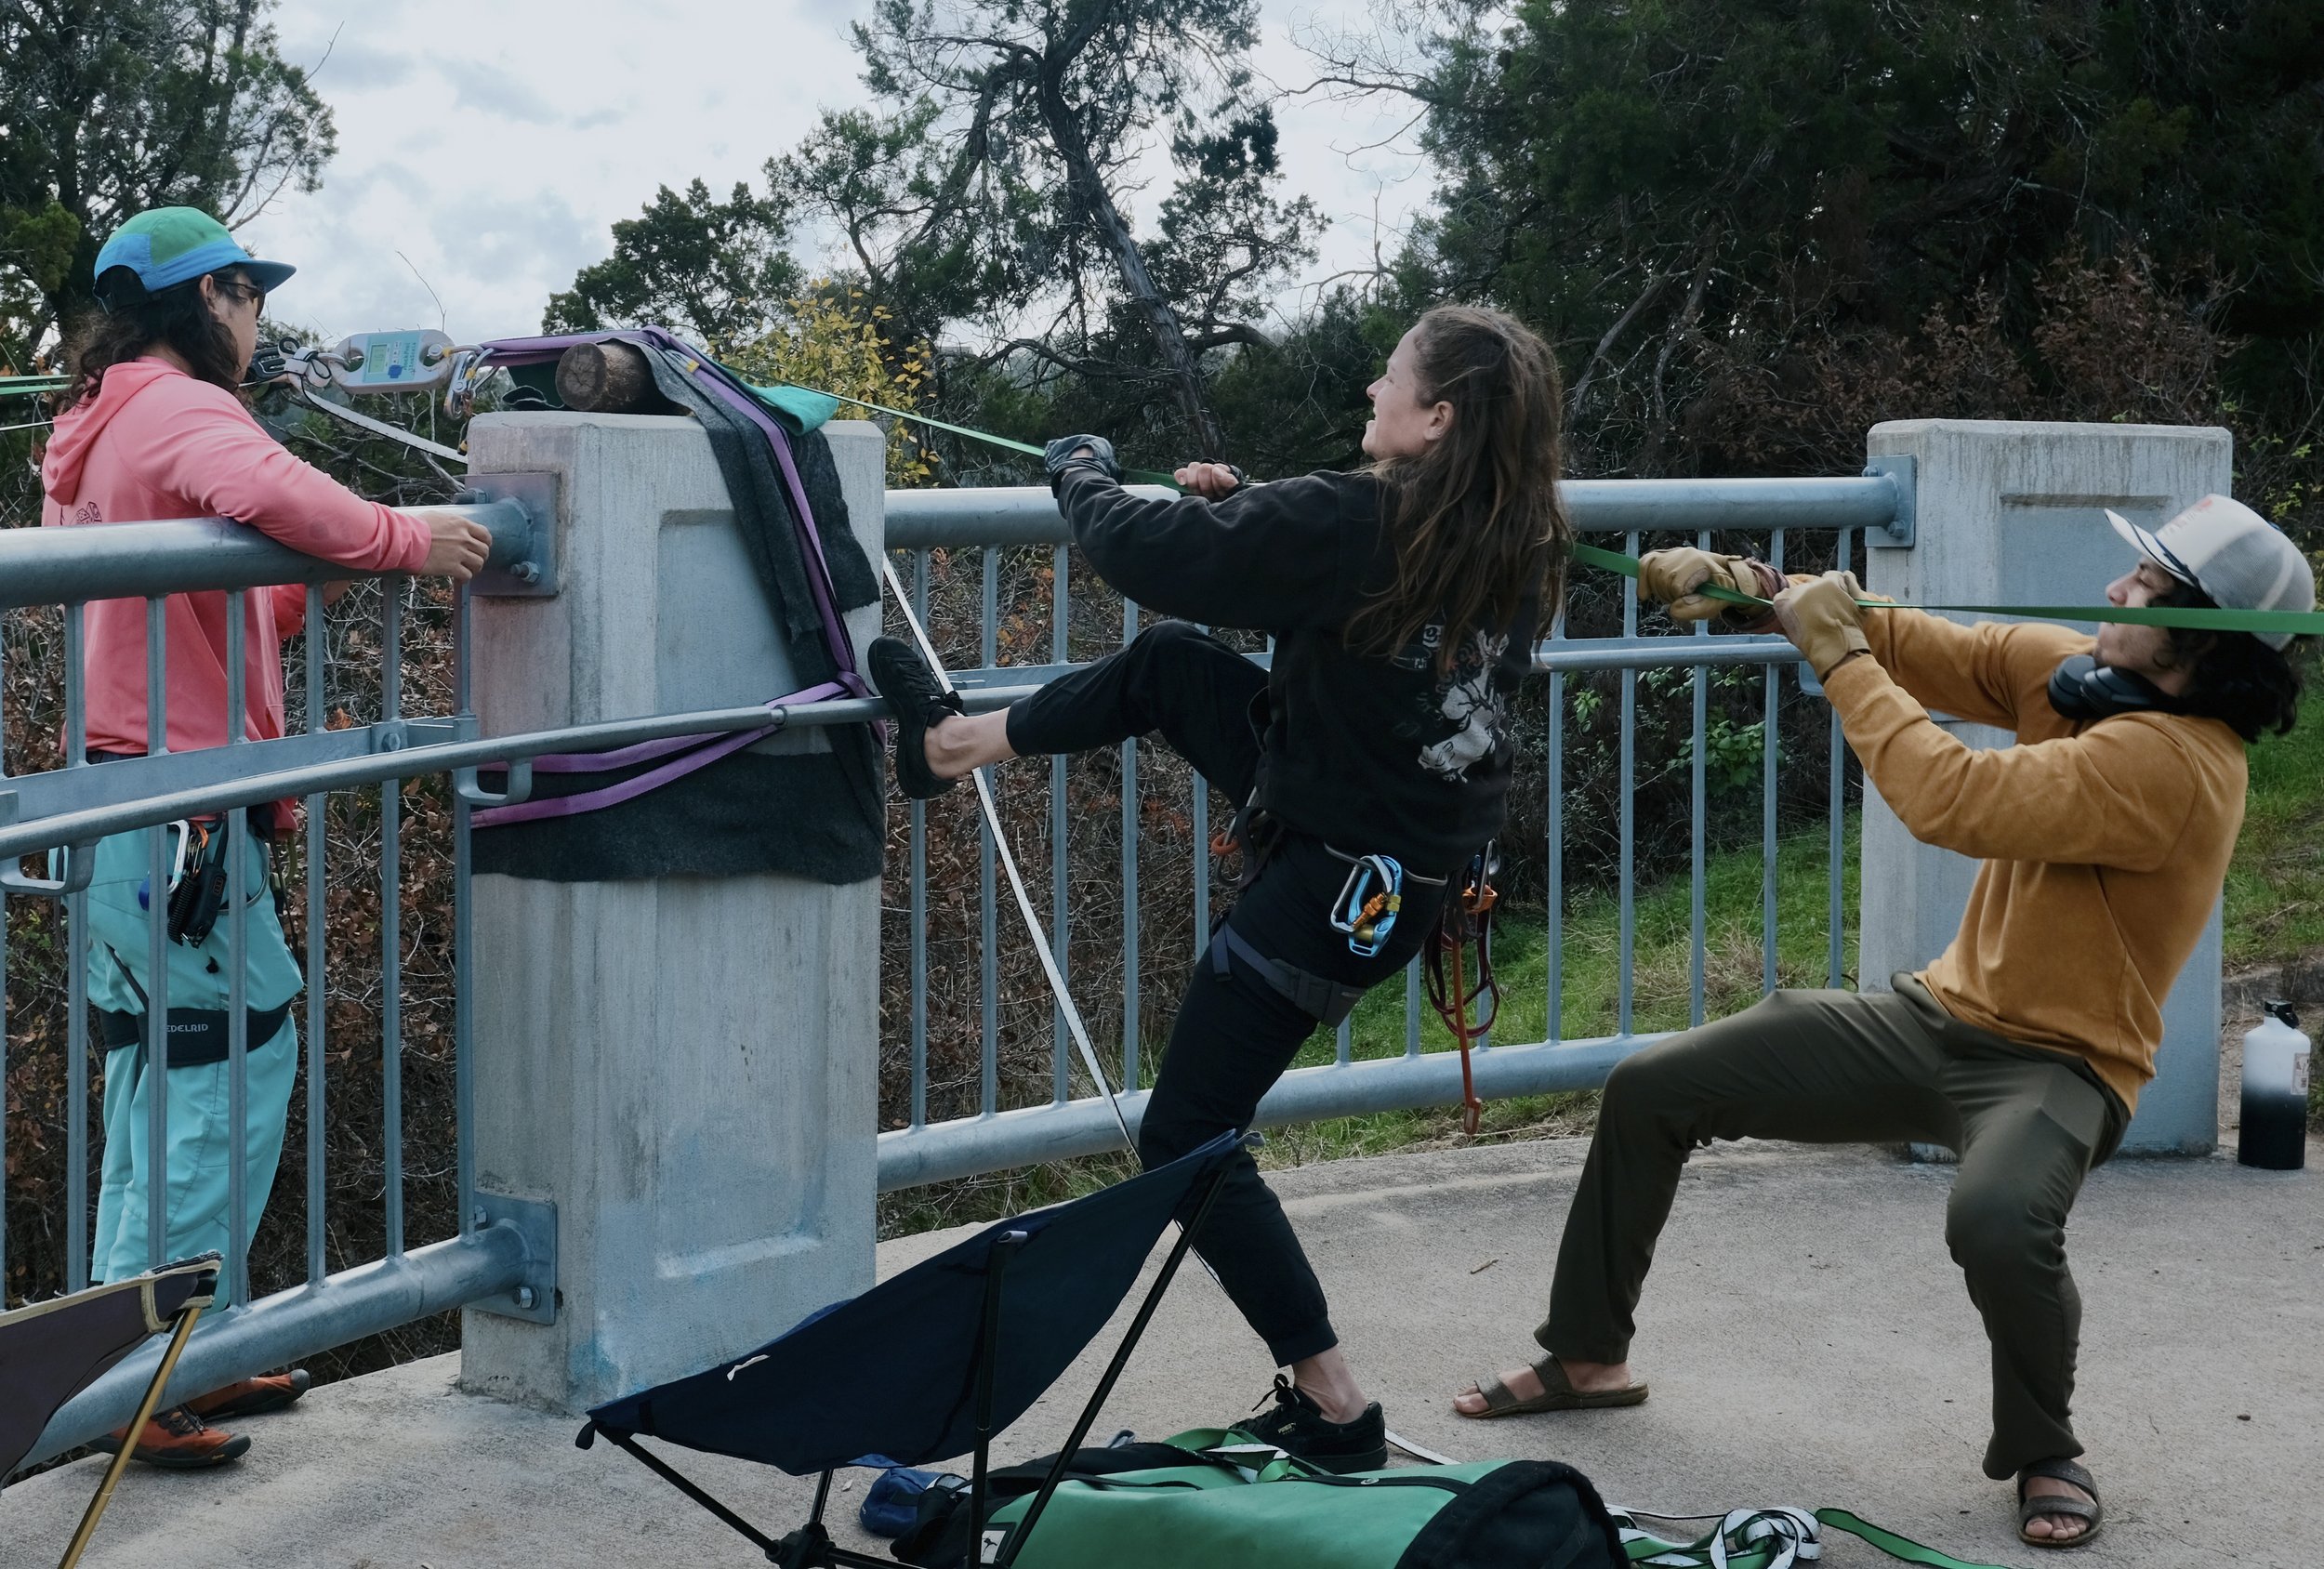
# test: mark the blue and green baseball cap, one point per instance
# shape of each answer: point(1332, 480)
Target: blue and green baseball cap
point(169, 246)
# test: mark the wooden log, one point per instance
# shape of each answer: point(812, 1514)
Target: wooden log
point(608, 378)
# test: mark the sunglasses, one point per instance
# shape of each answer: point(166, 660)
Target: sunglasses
point(247, 294)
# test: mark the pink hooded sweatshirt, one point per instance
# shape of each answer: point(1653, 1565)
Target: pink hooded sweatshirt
point(155, 444)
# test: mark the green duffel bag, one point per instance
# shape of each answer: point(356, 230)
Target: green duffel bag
point(1488, 1514)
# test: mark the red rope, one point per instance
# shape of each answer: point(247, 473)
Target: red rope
point(1468, 918)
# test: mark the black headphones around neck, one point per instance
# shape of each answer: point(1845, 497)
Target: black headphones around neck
point(2081, 687)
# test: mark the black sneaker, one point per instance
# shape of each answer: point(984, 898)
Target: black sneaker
point(910, 687)
point(1297, 1427)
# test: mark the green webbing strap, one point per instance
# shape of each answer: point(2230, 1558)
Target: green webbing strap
point(1769, 1538)
point(2298, 623)
point(29, 386)
point(1135, 476)
point(1891, 1544)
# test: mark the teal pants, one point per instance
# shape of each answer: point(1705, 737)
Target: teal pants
point(198, 1157)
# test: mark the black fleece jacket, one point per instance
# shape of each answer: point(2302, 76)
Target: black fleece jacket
point(1370, 753)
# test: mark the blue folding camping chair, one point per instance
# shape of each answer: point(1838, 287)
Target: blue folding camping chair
point(933, 1361)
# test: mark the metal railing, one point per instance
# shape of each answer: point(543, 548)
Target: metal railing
point(998, 1135)
point(501, 1255)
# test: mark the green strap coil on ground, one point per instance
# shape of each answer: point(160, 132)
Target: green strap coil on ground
point(1135, 476)
point(1770, 1539)
point(2298, 623)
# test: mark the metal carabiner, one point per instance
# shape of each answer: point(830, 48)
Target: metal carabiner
point(1369, 899)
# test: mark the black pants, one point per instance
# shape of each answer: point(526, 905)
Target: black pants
point(1234, 1034)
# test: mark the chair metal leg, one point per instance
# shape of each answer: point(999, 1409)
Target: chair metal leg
point(1113, 1374)
point(136, 1429)
point(988, 1355)
point(669, 1474)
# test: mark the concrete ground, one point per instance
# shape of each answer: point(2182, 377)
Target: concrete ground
point(1808, 1339)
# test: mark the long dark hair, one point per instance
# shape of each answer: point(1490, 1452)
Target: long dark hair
point(1477, 521)
point(2232, 677)
point(133, 322)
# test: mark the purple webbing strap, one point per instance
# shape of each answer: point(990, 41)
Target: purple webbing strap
point(688, 753)
point(696, 752)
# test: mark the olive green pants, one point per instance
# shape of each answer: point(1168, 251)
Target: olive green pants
point(1847, 1067)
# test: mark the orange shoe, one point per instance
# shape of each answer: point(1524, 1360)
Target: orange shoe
point(178, 1440)
point(251, 1397)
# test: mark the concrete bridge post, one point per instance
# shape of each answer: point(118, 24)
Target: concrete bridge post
point(685, 1066)
point(2009, 513)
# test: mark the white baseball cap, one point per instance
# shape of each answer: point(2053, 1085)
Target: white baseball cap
point(2237, 557)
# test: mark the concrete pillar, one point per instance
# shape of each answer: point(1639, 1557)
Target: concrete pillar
point(686, 1066)
point(2009, 514)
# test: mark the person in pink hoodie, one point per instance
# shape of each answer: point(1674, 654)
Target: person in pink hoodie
point(153, 428)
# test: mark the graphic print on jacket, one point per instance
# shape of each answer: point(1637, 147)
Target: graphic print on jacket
point(1465, 698)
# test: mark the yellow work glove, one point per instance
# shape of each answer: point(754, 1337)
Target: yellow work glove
point(1675, 578)
point(1821, 618)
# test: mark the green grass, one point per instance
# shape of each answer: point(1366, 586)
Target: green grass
point(1590, 987)
point(2275, 884)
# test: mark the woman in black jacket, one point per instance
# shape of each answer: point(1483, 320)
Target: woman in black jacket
point(1372, 759)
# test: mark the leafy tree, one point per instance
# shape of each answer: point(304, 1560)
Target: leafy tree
point(108, 107)
point(1684, 192)
point(717, 271)
point(988, 186)
point(833, 341)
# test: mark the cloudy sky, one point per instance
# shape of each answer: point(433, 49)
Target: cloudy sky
point(493, 142)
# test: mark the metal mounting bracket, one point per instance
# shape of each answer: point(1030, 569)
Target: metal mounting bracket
point(1902, 472)
point(532, 574)
point(397, 736)
point(533, 1298)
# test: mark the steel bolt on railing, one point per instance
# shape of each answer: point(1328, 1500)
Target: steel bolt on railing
point(504, 1255)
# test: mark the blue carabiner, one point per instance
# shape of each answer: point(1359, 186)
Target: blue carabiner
point(1366, 910)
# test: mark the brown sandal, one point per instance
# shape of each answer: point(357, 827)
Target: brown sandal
point(1557, 1394)
point(2093, 1512)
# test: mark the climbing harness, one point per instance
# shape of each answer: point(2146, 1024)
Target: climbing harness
point(1765, 1538)
point(1467, 922)
point(2188, 618)
point(1367, 908)
point(1318, 996)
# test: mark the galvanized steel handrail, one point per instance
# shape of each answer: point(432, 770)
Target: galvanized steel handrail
point(54, 566)
point(1008, 515)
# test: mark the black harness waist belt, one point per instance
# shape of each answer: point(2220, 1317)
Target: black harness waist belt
point(197, 1036)
point(1310, 993)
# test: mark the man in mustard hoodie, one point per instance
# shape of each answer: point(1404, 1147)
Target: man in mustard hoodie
point(2104, 837)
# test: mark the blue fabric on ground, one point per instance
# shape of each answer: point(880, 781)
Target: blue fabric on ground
point(893, 1372)
point(892, 1503)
